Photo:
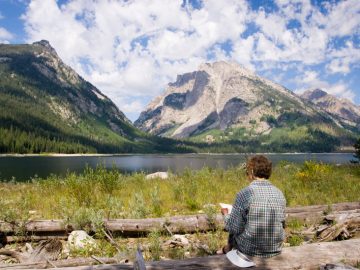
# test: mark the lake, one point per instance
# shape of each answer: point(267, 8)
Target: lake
point(24, 167)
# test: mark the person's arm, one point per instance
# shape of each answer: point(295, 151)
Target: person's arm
point(235, 221)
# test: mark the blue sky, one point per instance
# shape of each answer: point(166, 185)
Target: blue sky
point(131, 49)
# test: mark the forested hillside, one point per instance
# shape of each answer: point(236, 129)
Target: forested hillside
point(45, 106)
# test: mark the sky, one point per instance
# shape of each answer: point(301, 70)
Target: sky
point(131, 49)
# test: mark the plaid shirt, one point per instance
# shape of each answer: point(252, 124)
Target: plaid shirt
point(257, 218)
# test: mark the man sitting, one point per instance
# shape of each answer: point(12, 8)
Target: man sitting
point(256, 222)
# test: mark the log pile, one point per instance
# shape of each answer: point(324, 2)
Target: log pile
point(343, 222)
point(306, 257)
point(177, 224)
point(310, 256)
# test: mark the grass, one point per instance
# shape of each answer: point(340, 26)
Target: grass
point(85, 199)
point(99, 193)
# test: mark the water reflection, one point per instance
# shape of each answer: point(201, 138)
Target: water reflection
point(23, 168)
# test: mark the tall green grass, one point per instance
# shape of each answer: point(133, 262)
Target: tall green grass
point(99, 193)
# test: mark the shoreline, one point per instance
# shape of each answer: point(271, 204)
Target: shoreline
point(168, 154)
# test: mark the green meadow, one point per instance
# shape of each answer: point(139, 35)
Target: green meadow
point(109, 194)
point(85, 199)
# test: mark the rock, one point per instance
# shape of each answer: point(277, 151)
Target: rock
point(209, 139)
point(161, 175)
point(337, 267)
point(177, 240)
point(181, 238)
point(81, 240)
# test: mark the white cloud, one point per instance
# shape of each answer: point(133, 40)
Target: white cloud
point(134, 48)
point(1, 16)
point(310, 80)
point(342, 59)
point(5, 36)
point(132, 107)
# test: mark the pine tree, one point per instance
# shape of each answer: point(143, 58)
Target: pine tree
point(357, 151)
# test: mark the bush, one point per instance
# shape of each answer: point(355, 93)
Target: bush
point(137, 206)
point(312, 171)
point(295, 240)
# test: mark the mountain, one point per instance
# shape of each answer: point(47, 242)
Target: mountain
point(223, 103)
point(47, 107)
point(340, 107)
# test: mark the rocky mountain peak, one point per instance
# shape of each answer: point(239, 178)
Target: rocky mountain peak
point(225, 103)
point(222, 67)
point(314, 94)
point(46, 45)
point(217, 95)
point(340, 107)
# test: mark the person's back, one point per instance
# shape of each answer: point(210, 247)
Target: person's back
point(256, 221)
point(263, 233)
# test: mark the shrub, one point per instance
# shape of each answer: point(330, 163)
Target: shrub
point(295, 240)
point(156, 201)
point(137, 206)
point(313, 171)
point(155, 245)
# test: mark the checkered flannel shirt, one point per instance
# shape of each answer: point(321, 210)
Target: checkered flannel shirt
point(257, 218)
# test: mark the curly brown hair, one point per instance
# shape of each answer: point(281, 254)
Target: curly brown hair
point(260, 166)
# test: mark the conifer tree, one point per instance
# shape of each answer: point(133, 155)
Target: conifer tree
point(357, 151)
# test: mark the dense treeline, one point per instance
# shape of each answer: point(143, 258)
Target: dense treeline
point(16, 141)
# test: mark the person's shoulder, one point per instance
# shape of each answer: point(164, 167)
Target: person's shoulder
point(245, 193)
point(279, 193)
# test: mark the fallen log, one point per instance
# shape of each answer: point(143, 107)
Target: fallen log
point(177, 224)
point(62, 263)
point(306, 257)
point(32, 238)
point(336, 226)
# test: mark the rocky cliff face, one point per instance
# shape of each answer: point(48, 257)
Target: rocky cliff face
point(342, 108)
point(233, 109)
point(43, 98)
point(86, 97)
point(219, 96)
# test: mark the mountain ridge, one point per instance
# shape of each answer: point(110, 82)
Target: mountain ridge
point(221, 96)
point(48, 107)
point(340, 107)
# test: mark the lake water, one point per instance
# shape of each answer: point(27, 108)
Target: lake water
point(25, 167)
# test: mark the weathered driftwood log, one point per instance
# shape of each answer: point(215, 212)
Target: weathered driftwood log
point(62, 263)
point(177, 224)
point(46, 250)
point(33, 238)
point(343, 226)
point(304, 257)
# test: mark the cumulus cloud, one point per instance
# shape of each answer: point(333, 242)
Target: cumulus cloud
point(310, 80)
point(5, 36)
point(132, 49)
point(343, 59)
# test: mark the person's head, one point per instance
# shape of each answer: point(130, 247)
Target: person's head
point(258, 167)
